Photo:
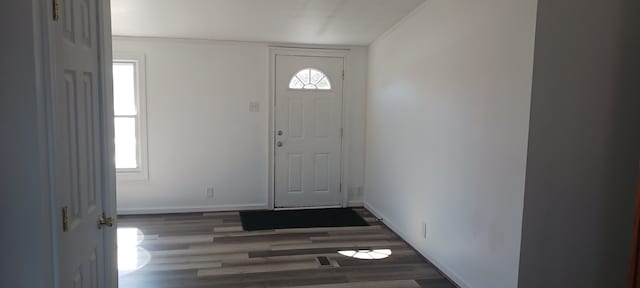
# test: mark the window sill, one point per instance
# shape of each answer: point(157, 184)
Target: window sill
point(132, 176)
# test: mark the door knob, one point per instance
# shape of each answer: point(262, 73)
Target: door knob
point(280, 132)
point(105, 221)
point(279, 143)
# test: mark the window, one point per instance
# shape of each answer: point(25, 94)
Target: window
point(310, 79)
point(129, 103)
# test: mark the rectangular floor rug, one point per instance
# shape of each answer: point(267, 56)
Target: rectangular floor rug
point(269, 220)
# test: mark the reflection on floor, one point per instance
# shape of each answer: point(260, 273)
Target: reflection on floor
point(131, 256)
point(211, 250)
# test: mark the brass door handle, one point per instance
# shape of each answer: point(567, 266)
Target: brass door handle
point(105, 221)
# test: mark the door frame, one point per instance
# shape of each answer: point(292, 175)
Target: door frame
point(45, 53)
point(308, 52)
point(108, 150)
point(634, 268)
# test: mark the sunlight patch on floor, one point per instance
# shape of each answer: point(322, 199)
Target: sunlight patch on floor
point(367, 254)
point(131, 256)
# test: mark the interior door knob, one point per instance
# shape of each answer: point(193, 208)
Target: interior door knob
point(279, 143)
point(280, 133)
point(105, 221)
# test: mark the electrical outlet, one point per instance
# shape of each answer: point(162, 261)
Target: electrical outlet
point(210, 192)
point(254, 106)
point(424, 230)
point(355, 191)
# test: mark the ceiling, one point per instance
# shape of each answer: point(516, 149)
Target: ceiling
point(329, 22)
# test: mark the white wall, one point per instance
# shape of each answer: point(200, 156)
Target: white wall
point(584, 145)
point(447, 126)
point(201, 132)
point(24, 188)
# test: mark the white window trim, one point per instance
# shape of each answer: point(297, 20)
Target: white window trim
point(142, 172)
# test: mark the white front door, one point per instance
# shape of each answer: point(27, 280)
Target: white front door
point(308, 127)
point(77, 144)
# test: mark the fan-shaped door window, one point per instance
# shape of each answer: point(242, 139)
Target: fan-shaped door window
point(310, 79)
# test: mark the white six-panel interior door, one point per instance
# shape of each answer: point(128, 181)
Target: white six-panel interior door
point(308, 132)
point(77, 140)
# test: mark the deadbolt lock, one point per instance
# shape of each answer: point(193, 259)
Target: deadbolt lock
point(105, 221)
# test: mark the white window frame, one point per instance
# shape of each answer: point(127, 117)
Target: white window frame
point(142, 172)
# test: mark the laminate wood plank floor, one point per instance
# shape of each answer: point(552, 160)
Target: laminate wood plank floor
point(199, 250)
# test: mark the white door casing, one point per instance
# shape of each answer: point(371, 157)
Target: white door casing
point(78, 143)
point(308, 134)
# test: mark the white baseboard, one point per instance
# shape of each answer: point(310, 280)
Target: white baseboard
point(444, 269)
point(355, 203)
point(191, 209)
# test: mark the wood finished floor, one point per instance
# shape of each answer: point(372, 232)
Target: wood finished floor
point(212, 250)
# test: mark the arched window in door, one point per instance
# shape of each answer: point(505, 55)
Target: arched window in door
point(310, 79)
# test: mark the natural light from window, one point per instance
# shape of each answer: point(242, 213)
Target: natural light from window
point(131, 256)
point(125, 115)
point(367, 254)
point(310, 79)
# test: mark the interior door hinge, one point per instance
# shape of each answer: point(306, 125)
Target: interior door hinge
point(65, 219)
point(56, 10)
point(342, 74)
point(341, 132)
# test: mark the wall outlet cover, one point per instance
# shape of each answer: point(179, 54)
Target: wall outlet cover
point(254, 106)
